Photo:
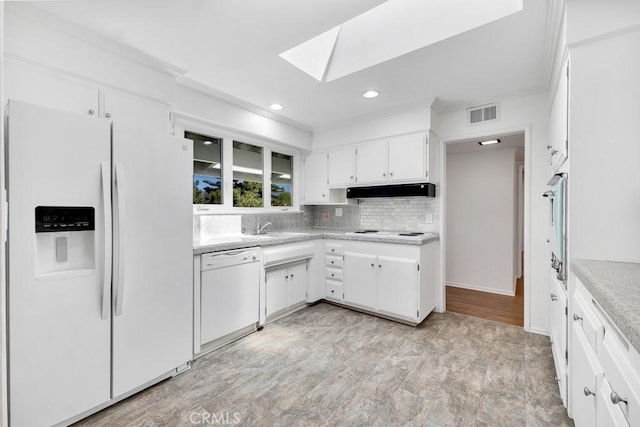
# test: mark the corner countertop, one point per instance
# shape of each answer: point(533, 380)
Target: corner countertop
point(223, 243)
point(616, 288)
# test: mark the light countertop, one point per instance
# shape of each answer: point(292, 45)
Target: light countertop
point(616, 288)
point(223, 243)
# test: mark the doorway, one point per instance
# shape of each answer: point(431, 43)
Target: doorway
point(484, 227)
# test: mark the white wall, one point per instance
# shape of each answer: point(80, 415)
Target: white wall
point(3, 326)
point(40, 45)
point(588, 19)
point(417, 120)
point(528, 113)
point(604, 149)
point(481, 190)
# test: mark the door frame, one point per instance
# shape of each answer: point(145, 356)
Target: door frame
point(483, 133)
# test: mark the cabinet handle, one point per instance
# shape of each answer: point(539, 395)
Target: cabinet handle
point(108, 115)
point(333, 262)
point(351, 177)
point(286, 277)
point(554, 152)
point(379, 266)
point(390, 173)
point(554, 297)
point(384, 174)
point(588, 392)
point(291, 276)
point(576, 317)
point(549, 147)
point(616, 399)
point(91, 112)
point(332, 275)
point(372, 265)
point(323, 195)
point(332, 291)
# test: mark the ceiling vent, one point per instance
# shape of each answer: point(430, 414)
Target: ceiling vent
point(483, 113)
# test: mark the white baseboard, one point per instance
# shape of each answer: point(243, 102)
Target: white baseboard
point(538, 331)
point(481, 288)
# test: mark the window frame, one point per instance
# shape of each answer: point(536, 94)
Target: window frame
point(228, 135)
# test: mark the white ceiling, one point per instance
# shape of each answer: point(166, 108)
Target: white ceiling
point(232, 46)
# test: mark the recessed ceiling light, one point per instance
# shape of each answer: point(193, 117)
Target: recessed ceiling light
point(276, 107)
point(370, 94)
point(489, 142)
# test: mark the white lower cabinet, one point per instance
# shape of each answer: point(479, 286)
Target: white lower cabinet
point(586, 373)
point(285, 287)
point(398, 285)
point(604, 367)
point(361, 279)
point(558, 333)
point(398, 281)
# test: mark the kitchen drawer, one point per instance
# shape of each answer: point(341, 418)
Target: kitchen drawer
point(584, 315)
point(608, 414)
point(335, 249)
point(621, 375)
point(334, 273)
point(334, 289)
point(335, 261)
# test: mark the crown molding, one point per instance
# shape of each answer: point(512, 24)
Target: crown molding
point(42, 17)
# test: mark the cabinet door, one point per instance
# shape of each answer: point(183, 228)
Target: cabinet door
point(277, 290)
point(315, 178)
point(407, 155)
point(558, 122)
point(608, 413)
point(46, 88)
point(342, 164)
point(371, 163)
point(361, 279)
point(586, 372)
point(397, 286)
point(136, 111)
point(558, 331)
point(297, 280)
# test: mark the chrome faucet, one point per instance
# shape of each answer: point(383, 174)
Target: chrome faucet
point(260, 229)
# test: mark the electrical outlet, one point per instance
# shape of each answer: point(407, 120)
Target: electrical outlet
point(338, 211)
point(325, 216)
point(429, 218)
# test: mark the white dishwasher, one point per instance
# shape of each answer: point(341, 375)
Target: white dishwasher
point(230, 296)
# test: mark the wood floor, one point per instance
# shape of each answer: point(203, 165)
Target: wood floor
point(486, 305)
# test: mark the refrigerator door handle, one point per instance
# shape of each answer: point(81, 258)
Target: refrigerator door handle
point(120, 196)
point(106, 215)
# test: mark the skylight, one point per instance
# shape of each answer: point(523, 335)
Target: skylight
point(390, 30)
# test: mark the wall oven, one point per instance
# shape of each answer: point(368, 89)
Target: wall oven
point(557, 197)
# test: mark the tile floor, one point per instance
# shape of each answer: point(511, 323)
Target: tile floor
point(329, 366)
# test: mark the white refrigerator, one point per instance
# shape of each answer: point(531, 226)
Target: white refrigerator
point(99, 262)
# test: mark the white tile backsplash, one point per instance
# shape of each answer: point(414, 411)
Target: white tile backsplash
point(220, 224)
point(406, 214)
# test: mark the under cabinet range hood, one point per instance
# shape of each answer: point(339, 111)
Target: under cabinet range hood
point(402, 190)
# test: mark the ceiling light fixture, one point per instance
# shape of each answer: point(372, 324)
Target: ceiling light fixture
point(370, 94)
point(207, 142)
point(489, 142)
point(276, 107)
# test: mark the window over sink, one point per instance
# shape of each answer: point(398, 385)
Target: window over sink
point(234, 173)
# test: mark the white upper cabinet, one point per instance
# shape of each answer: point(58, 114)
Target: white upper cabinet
point(559, 122)
point(371, 163)
point(134, 111)
point(315, 178)
point(407, 158)
point(342, 165)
